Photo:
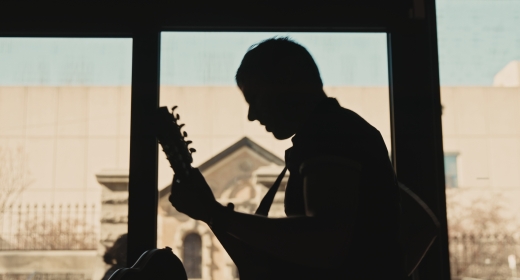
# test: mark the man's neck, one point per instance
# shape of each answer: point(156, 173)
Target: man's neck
point(309, 110)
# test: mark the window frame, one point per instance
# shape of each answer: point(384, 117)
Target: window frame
point(417, 152)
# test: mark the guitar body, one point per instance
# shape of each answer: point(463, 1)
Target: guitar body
point(155, 264)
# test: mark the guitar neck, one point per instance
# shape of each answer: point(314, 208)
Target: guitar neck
point(181, 168)
point(173, 142)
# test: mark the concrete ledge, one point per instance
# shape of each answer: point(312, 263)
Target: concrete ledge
point(82, 262)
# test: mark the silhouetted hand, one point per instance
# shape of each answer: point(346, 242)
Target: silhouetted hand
point(193, 196)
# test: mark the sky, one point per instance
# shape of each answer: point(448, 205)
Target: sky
point(476, 39)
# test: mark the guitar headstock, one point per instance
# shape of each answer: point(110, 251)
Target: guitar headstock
point(173, 141)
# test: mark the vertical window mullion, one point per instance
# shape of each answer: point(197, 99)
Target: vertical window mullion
point(142, 200)
point(416, 127)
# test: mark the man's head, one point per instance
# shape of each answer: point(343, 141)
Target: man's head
point(281, 83)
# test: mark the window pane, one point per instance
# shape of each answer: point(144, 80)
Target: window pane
point(479, 51)
point(192, 259)
point(64, 155)
point(450, 170)
point(238, 158)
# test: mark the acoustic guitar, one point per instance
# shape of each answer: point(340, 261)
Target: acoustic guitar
point(155, 264)
point(162, 264)
point(250, 263)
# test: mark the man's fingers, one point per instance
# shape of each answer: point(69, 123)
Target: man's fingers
point(191, 196)
point(178, 182)
point(173, 199)
point(176, 202)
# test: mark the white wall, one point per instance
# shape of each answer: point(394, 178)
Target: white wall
point(69, 134)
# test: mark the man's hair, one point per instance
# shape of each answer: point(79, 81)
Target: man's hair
point(279, 61)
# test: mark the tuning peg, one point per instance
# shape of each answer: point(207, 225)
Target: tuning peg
point(178, 117)
point(173, 108)
point(185, 134)
point(188, 142)
point(192, 150)
point(181, 125)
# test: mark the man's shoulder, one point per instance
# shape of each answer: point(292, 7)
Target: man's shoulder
point(340, 132)
point(345, 116)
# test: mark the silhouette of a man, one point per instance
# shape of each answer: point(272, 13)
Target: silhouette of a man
point(342, 197)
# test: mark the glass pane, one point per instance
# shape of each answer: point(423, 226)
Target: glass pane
point(64, 155)
point(239, 158)
point(192, 250)
point(450, 170)
point(480, 93)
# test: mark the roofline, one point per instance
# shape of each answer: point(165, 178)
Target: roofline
point(244, 142)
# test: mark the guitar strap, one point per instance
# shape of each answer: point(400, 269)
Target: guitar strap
point(265, 204)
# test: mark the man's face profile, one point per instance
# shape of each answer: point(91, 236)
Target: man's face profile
point(281, 83)
point(268, 106)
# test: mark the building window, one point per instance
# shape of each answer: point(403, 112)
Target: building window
point(450, 170)
point(192, 255)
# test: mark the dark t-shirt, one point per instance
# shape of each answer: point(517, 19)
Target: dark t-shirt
point(374, 250)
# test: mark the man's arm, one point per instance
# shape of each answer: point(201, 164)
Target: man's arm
point(304, 240)
point(319, 239)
